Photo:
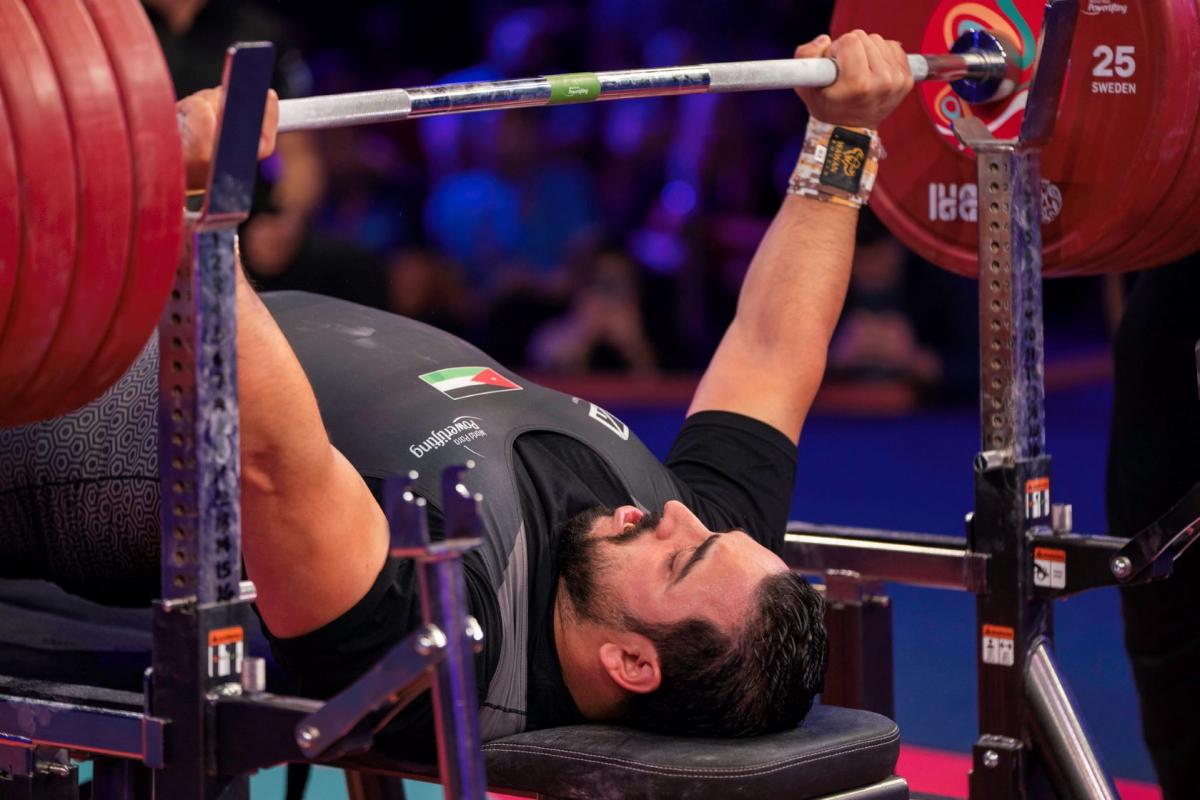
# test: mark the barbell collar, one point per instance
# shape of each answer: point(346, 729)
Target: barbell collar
point(995, 78)
point(362, 108)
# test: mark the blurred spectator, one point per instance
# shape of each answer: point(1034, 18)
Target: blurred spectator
point(425, 286)
point(280, 252)
point(509, 216)
point(881, 336)
point(278, 245)
point(603, 329)
point(876, 338)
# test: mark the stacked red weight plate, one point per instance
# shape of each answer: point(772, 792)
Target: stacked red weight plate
point(148, 98)
point(44, 154)
point(1114, 154)
point(10, 220)
point(1155, 200)
point(91, 199)
point(104, 195)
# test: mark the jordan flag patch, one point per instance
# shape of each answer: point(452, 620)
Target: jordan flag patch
point(461, 382)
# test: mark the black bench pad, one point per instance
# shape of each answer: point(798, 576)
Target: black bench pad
point(834, 750)
point(49, 635)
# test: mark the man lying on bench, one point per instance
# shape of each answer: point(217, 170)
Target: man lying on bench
point(609, 586)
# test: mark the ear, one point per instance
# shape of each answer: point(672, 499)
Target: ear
point(632, 663)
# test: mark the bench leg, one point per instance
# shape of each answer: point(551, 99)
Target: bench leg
point(120, 779)
point(369, 786)
point(858, 618)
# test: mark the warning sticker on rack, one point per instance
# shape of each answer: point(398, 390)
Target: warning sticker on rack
point(1050, 567)
point(998, 645)
point(1037, 498)
point(226, 646)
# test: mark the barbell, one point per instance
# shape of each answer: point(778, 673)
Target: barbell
point(92, 189)
point(983, 67)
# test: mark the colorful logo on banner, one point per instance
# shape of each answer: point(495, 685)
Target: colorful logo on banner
point(1016, 20)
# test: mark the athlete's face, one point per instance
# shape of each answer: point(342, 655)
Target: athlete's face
point(667, 567)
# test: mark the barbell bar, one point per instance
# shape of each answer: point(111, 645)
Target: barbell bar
point(981, 69)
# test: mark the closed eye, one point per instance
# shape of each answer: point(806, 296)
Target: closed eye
point(671, 559)
point(697, 554)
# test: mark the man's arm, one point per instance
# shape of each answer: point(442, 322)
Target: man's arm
point(314, 538)
point(772, 358)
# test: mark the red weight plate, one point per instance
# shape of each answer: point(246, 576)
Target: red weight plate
point(105, 195)
point(45, 156)
point(1136, 93)
point(149, 100)
point(10, 219)
point(1103, 172)
point(1189, 221)
point(1173, 222)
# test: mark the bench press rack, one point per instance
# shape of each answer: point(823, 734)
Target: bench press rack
point(203, 693)
point(184, 736)
point(1019, 553)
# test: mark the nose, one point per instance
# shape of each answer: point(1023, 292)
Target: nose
point(679, 521)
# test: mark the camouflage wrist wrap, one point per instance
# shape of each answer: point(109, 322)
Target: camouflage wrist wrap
point(837, 165)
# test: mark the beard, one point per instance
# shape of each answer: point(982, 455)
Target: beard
point(580, 564)
point(583, 564)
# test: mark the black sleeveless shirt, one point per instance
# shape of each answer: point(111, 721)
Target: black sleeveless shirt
point(397, 395)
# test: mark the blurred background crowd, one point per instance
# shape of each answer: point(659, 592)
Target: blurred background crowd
point(574, 239)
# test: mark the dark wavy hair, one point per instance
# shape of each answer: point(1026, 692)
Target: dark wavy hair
point(760, 681)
